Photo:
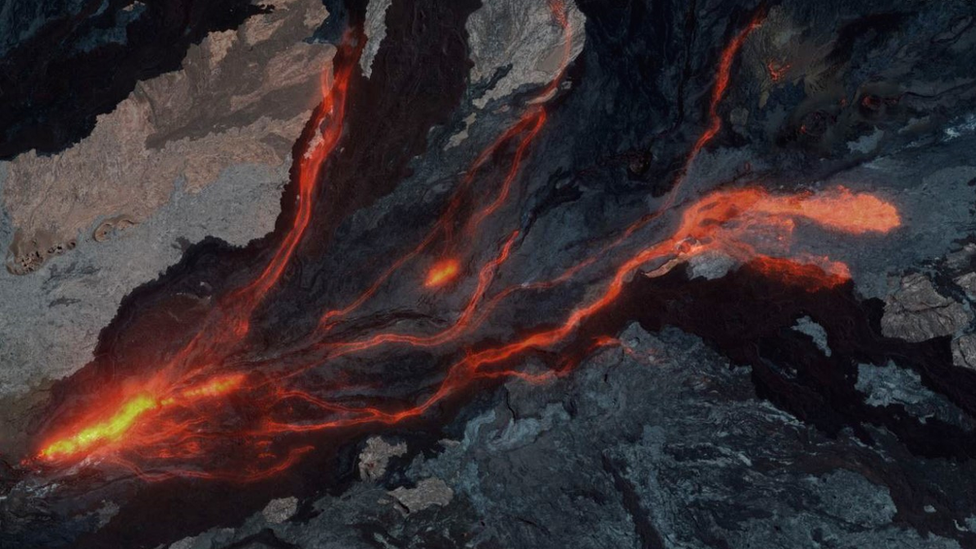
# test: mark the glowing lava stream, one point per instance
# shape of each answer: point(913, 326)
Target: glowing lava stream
point(243, 301)
point(722, 79)
point(112, 429)
point(164, 424)
point(229, 322)
point(713, 223)
point(211, 342)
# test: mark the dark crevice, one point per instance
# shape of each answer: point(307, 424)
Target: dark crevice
point(648, 534)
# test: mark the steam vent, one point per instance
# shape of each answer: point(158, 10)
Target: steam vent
point(488, 274)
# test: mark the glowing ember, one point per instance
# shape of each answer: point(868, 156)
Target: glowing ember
point(441, 273)
point(776, 71)
point(807, 275)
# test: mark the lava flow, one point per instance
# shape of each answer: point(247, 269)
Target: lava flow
point(722, 222)
point(231, 323)
point(184, 412)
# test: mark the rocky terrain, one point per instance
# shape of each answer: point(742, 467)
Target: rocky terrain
point(137, 168)
point(762, 377)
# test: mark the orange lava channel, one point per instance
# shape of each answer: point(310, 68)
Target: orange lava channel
point(530, 124)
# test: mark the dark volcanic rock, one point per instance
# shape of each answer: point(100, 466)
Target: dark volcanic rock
point(655, 443)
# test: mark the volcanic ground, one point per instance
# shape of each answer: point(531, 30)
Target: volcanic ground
point(488, 274)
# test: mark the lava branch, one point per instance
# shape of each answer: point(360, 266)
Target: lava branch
point(722, 78)
point(445, 270)
point(228, 323)
point(212, 343)
point(715, 223)
point(714, 126)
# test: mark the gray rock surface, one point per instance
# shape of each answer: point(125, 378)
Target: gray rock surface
point(526, 50)
point(710, 265)
point(427, 493)
point(891, 385)
point(279, 510)
point(968, 283)
point(808, 326)
point(375, 457)
point(964, 351)
point(375, 31)
point(62, 307)
point(917, 312)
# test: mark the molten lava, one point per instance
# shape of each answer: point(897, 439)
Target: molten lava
point(723, 221)
point(818, 274)
point(228, 323)
point(441, 273)
point(115, 427)
point(186, 409)
point(108, 430)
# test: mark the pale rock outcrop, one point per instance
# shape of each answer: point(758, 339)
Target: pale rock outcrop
point(376, 456)
point(917, 312)
point(964, 351)
point(529, 44)
point(427, 493)
point(187, 125)
point(375, 31)
point(280, 510)
point(203, 151)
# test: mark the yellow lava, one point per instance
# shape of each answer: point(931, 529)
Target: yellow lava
point(442, 273)
point(214, 388)
point(109, 430)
